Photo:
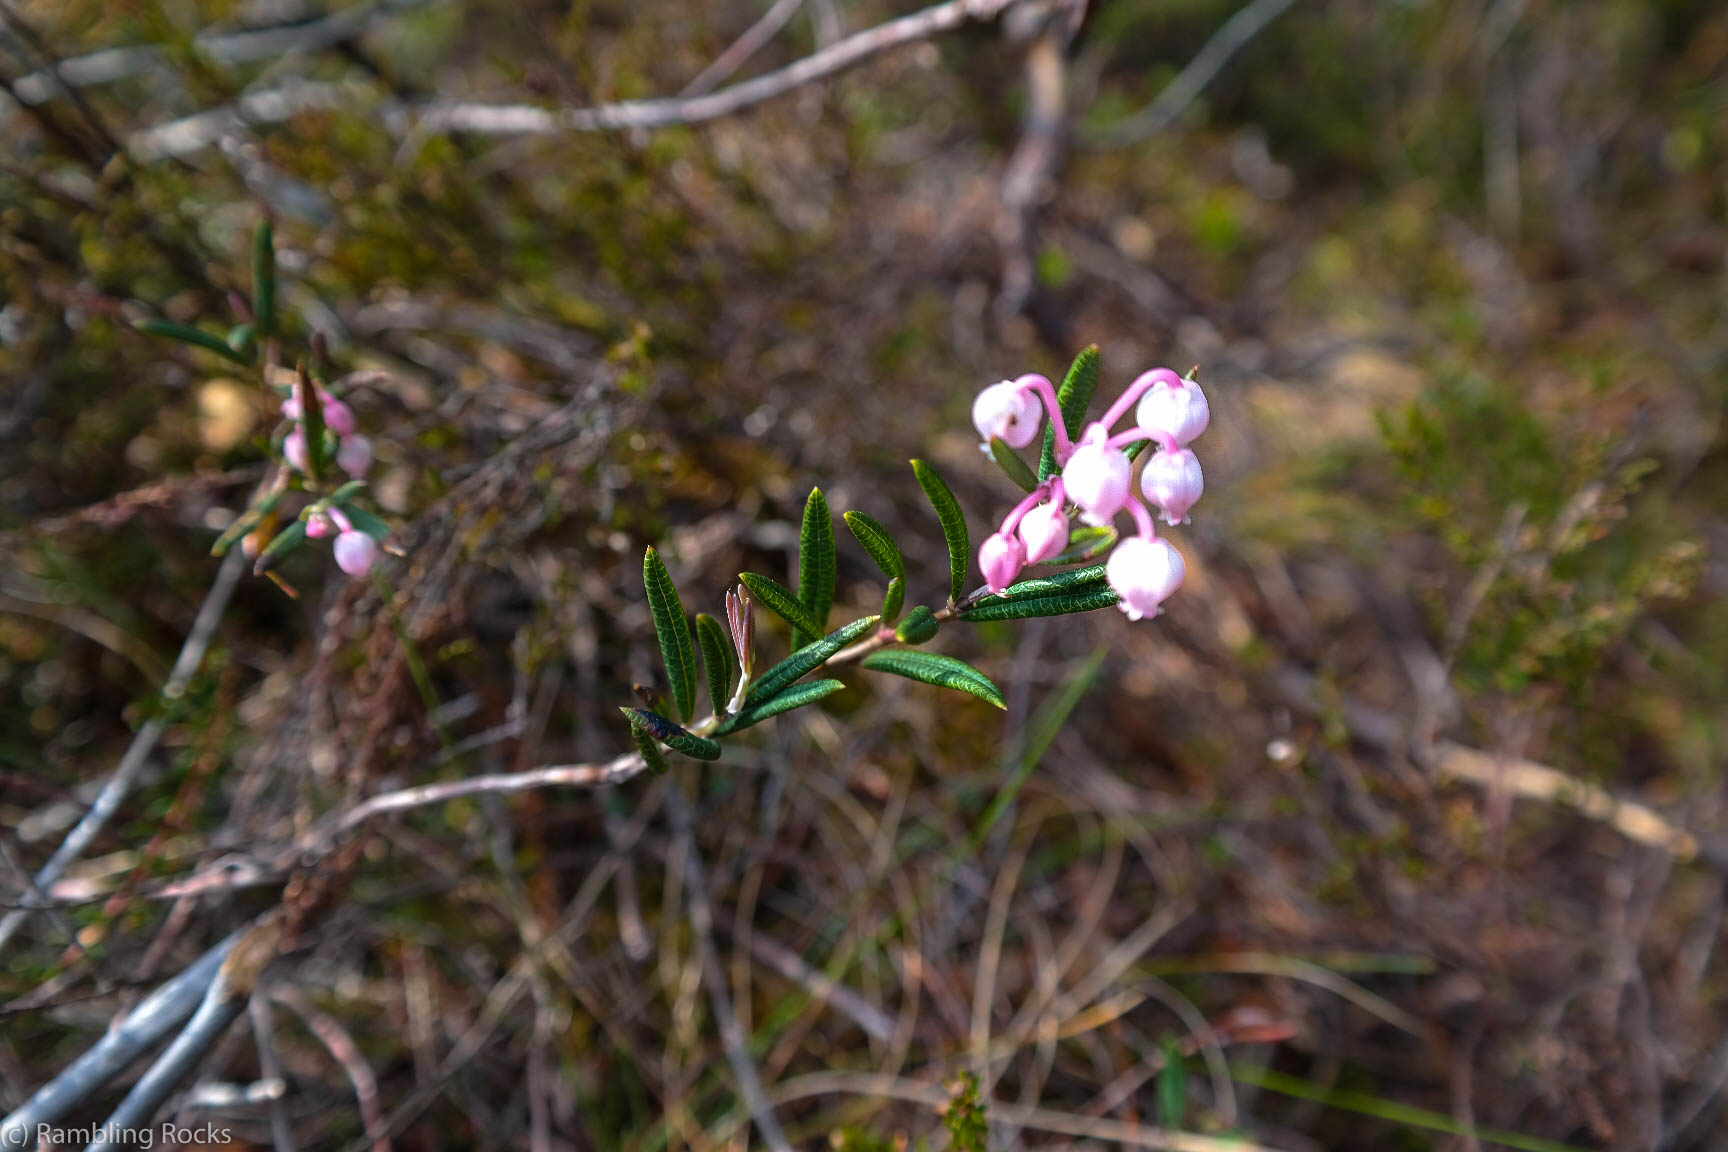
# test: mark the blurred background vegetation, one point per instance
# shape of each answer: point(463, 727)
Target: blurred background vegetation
point(1335, 855)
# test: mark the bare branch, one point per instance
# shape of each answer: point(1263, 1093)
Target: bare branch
point(743, 48)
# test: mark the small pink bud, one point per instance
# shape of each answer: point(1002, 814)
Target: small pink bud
point(319, 525)
point(354, 456)
point(1001, 557)
point(294, 448)
point(1044, 532)
point(1097, 478)
point(1144, 571)
point(355, 553)
point(291, 408)
point(1178, 412)
point(338, 417)
point(1173, 481)
point(1008, 411)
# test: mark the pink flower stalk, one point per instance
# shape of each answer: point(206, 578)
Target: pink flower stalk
point(294, 448)
point(1176, 413)
point(1097, 477)
point(1144, 571)
point(354, 456)
point(1044, 530)
point(1157, 377)
point(1001, 557)
point(1173, 481)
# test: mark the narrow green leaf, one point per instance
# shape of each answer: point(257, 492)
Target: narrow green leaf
point(778, 599)
point(673, 631)
point(311, 419)
point(1069, 581)
point(918, 627)
point(347, 492)
point(893, 599)
point(674, 737)
point(794, 697)
point(1084, 543)
point(264, 279)
point(719, 662)
point(878, 543)
point(1172, 1088)
point(1011, 464)
point(1074, 397)
point(816, 564)
point(942, 671)
point(808, 658)
point(365, 521)
point(1024, 608)
point(245, 522)
point(651, 754)
point(193, 337)
point(953, 526)
point(285, 542)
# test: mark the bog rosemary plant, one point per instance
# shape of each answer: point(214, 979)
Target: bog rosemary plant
point(1085, 472)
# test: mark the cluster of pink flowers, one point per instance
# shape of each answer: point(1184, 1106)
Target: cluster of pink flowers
point(1096, 481)
point(355, 551)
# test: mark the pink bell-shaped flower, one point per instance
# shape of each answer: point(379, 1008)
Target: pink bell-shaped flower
point(1178, 412)
point(1001, 557)
point(1173, 482)
point(338, 417)
point(354, 456)
point(1009, 411)
point(355, 553)
point(1144, 571)
point(294, 449)
point(1097, 478)
point(1044, 532)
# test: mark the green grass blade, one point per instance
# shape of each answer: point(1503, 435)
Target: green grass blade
point(778, 599)
point(671, 735)
point(194, 337)
point(673, 631)
point(953, 526)
point(807, 659)
point(719, 662)
point(1366, 1105)
point(941, 671)
point(1074, 397)
point(1088, 599)
point(1011, 464)
point(264, 280)
point(1172, 1088)
point(794, 697)
point(816, 565)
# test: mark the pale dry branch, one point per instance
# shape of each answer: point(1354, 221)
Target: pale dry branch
point(741, 49)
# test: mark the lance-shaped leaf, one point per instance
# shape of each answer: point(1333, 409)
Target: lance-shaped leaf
point(942, 671)
point(245, 522)
point(1070, 581)
point(778, 599)
point(919, 626)
point(365, 521)
point(1089, 598)
point(673, 631)
point(807, 659)
point(194, 337)
point(264, 280)
point(1084, 543)
point(1073, 398)
point(816, 565)
point(794, 697)
point(953, 525)
point(676, 738)
point(311, 419)
point(285, 542)
point(880, 545)
point(650, 751)
point(1010, 463)
point(719, 662)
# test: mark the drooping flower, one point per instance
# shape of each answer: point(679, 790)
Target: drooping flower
point(1001, 557)
point(355, 552)
point(1009, 411)
point(1144, 571)
point(1097, 478)
point(354, 456)
point(1173, 481)
point(338, 417)
point(1177, 413)
point(1044, 531)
